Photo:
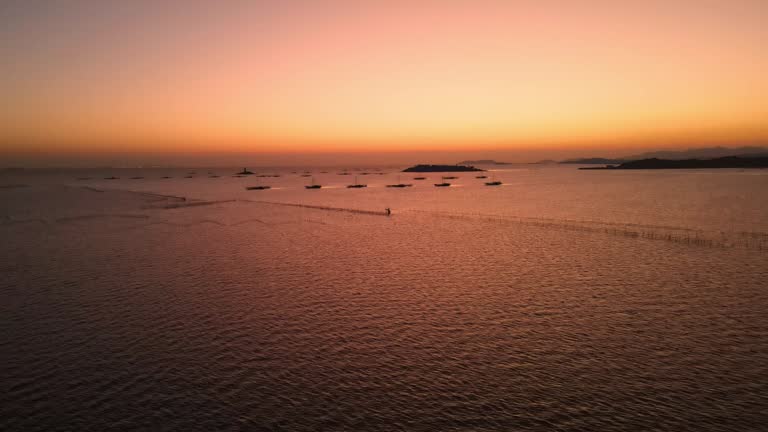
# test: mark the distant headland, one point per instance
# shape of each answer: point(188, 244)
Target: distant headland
point(441, 168)
point(593, 161)
point(705, 153)
point(722, 162)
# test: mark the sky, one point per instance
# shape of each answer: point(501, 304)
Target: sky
point(296, 77)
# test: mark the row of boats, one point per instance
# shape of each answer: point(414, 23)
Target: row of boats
point(358, 185)
point(313, 185)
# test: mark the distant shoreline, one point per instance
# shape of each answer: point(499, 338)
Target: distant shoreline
point(723, 162)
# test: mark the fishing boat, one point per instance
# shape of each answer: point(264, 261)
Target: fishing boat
point(493, 182)
point(356, 185)
point(419, 178)
point(449, 177)
point(244, 172)
point(443, 184)
point(481, 177)
point(111, 178)
point(398, 184)
point(313, 185)
point(258, 187)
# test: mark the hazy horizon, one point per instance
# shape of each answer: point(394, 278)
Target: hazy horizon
point(252, 159)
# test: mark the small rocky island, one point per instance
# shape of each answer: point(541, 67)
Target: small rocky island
point(482, 162)
point(442, 168)
point(723, 162)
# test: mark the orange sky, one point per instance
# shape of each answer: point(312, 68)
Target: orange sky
point(351, 75)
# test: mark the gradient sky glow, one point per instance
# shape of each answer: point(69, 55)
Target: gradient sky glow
point(338, 75)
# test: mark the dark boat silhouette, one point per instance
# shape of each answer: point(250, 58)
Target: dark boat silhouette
point(449, 177)
point(481, 177)
point(398, 184)
point(444, 184)
point(244, 172)
point(493, 182)
point(306, 175)
point(313, 185)
point(111, 178)
point(213, 176)
point(258, 187)
point(166, 177)
point(356, 185)
point(419, 178)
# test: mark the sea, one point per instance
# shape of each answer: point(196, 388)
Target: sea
point(560, 300)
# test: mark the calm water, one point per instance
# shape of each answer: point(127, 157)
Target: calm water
point(562, 300)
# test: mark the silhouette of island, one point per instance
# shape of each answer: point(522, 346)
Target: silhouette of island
point(441, 168)
point(723, 162)
point(705, 153)
point(593, 161)
point(482, 162)
point(702, 153)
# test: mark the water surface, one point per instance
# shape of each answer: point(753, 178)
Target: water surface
point(563, 300)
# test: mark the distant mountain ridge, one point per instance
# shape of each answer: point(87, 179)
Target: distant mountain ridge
point(722, 162)
point(695, 153)
point(700, 153)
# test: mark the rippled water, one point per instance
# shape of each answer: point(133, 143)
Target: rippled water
point(563, 300)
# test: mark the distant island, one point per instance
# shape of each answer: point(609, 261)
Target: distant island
point(705, 153)
point(723, 162)
point(441, 168)
point(593, 161)
point(702, 153)
point(482, 162)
